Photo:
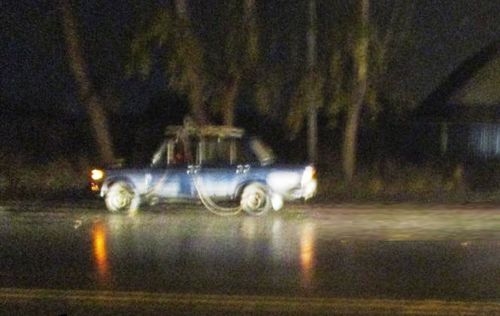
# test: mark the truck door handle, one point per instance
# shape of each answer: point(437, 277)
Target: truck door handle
point(193, 169)
point(241, 169)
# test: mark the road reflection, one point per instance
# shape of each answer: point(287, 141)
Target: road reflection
point(307, 254)
point(100, 251)
point(194, 252)
point(250, 252)
point(321, 252)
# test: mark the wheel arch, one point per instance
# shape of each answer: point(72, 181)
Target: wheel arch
point(110, 181)
point(241, 186)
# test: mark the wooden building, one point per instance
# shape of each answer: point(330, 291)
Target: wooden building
point(462, 117)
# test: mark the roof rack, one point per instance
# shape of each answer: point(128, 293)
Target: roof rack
point(191, 129)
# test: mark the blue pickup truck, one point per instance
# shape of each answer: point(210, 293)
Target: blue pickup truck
point(217, 165)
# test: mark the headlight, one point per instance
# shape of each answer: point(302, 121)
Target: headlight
point(308, 175)
point(96, 174)
point(309, 182)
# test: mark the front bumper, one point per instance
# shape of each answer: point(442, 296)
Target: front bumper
point(306, 191)
point(309, 189)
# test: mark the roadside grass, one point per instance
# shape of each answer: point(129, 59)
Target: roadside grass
point(57, 179)
point(405, 183)
point(66, 179)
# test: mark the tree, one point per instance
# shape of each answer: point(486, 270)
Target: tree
point(168, 38)
point(359, 90)
point(186, 68)
point(312, 100)
point(87, 93)
point(238, 58)
point(367, 54)
point(350, 74)
point(193, 64)
point(308, 96)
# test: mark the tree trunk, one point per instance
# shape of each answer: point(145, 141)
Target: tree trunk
point(349, 150)
point(196, 98)
point(312, 131)
point(232, 85)
point(250, 20)
point(87, 94)
point(229, 100)
point(360, 59)
point(195, 91)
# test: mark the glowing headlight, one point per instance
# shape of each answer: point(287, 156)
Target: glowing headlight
point(308, 175)
point(97, 174)
point(309, 182)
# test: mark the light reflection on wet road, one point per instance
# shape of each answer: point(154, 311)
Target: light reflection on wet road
point(370, 252)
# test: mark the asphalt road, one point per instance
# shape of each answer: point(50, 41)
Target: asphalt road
point(76, 259)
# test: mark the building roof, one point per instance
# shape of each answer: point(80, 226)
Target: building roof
point(482, 88)
point(470, 93)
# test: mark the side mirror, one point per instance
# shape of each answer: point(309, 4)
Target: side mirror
point(262, 151)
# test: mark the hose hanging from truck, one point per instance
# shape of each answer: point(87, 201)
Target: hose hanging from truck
point(209, 203)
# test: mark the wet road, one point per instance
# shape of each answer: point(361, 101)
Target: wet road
point(378, 254)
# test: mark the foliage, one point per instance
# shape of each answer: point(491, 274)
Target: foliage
point(214, 65)
point(195, 64)
point(389, 182)
point(341, 70)
point(182, 55)
point(397, 182)
point(87, 94)
point(309, 91)
point(240, 40)
point(386, 39)
point(22, 179)
point(269, 90)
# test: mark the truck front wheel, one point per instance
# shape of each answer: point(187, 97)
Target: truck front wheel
point(121, 198)
point(255, 199)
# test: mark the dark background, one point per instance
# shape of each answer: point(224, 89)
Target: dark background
point(40, 114)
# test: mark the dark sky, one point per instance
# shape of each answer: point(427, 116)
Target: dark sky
point(33, 70)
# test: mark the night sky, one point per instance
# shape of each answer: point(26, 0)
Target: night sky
point(34, 72)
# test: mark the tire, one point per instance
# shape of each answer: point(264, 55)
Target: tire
point(255, 199)
point(121, 198)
